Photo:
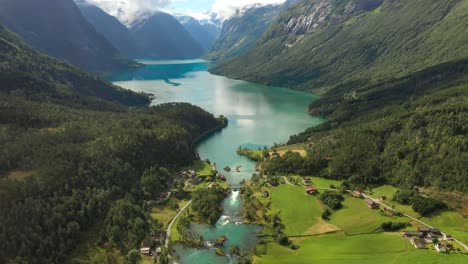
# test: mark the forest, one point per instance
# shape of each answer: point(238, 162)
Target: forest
point(76, 152)
point(408, 132)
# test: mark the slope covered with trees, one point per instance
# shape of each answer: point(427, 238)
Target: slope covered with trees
point(81, 152)
point(319, 44)
point(410, 131)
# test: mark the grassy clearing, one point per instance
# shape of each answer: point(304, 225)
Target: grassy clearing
point(202, 168)
point(175, 235)
point(324, 183)
point(370, 248)
point(299, 211)
point(389, 191)
point(357, 218)
point(163, 214)
point(19, 175)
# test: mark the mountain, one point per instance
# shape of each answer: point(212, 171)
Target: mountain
point(161, 36)
point(81, 146)
point(408, 131)
point(204, 33)
point(321, 45)
point(241, 32)
point(62, 33)
point(34, 76)
point(110, 27)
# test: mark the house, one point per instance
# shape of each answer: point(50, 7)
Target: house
point(357, 195)
point(311, 190)
point(448, 237)
point(145, 250)
point(383, 198)
point(390, 211)
point(418, 242)
point(158, 251)
point(435, 232)
point(423, 230)
point(441, 248)
point(306, 180)
point(372, 204)
point(412, 234)
point(222, 177)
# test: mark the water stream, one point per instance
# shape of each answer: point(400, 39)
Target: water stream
point(258, 116)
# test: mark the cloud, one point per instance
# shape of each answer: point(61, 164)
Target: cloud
point(227, 8)
point(127, 11)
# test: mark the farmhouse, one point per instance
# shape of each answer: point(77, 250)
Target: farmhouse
point(390, 211)
point(357, 195)
point(440, 248)
point(418, 242)
point(311, 190)
point(412, 234)
point(145, 250)
point(372, 204)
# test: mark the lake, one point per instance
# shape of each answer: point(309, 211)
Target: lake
point(258, 116)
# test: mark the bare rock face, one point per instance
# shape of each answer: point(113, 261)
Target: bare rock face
point(309, 16)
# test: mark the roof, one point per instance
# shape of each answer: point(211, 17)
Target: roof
point(311, 188)
point(370, 201)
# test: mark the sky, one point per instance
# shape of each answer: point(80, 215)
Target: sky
point(126, 10)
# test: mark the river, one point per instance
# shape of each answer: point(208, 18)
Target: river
point(258, 116)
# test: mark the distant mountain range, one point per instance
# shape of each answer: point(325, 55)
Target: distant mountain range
point(58, 28)
point(204, 32)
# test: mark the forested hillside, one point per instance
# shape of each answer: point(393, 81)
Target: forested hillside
point(319, 44)
point(72, 154)
point(410, 131)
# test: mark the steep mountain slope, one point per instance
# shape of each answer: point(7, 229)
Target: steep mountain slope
point(241, 32)
point(161, 36)
point(26, 73)
point(319, 44)
point(408, 131)
point(204, 33)
point(57, 28)
point(110, 27)
point(81, 150)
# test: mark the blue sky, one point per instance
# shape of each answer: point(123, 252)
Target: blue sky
point(187, 6)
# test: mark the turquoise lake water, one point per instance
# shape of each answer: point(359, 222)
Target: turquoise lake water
point(258, 116)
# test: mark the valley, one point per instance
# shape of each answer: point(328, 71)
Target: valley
point(220, 132)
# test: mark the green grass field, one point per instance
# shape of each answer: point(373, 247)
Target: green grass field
point(359, 249)
point(324, 183)
point(357, 218)
point(299, 211)
point(202, 168)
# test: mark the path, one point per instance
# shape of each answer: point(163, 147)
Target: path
point(413, 218)
point(319, 188)
point(168, 231)
point(379, 202)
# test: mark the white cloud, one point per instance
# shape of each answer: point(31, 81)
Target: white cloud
point(227, 8)
point(128, 11)
point(131, 11)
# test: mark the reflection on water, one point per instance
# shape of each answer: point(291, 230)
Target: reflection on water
point(258, 116)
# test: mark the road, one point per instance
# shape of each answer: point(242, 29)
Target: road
point(413, 218)
point(168, 231)
point(379, 202)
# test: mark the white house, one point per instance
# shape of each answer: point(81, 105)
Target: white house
point(440, 248)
